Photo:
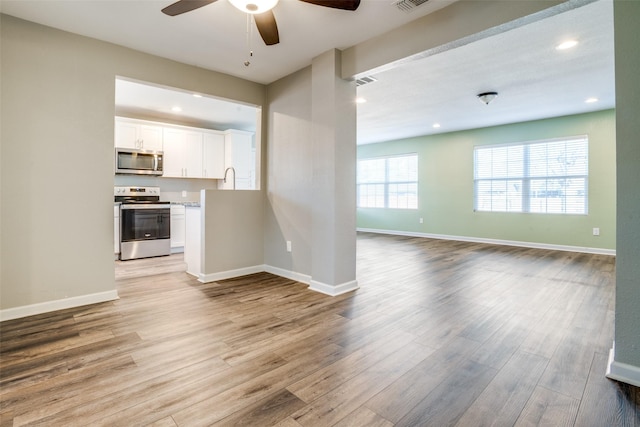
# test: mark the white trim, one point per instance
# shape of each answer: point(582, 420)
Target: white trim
point(599, 251)
point(298, 277)
point(622, 371)
point(229, 274)
point(332, 290)
point(61, 304)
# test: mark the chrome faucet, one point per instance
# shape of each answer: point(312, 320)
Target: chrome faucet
point(234, 176)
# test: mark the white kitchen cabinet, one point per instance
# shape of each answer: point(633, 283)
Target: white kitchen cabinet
point(193, 153)
point(239, 155)
point(116, 229)
point(131, 133)
point(177, 228)
point(213, 155)
point(182, 153)
point(174, 147)
point(193, 243)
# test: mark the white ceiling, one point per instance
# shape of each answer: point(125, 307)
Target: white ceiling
point(533, 79)
point(136, 99)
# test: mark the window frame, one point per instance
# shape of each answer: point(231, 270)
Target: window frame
point(526, 178)
point(386, 183)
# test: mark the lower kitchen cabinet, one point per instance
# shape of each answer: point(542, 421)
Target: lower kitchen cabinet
point(177, 228)
point(193, 245)
point(116, 229)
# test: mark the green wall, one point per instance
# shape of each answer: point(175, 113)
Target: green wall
point(446, 186)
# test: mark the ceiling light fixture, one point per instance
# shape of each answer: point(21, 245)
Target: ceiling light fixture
point(254, 6)
point(591, 100)
point(176, 109)
point(566, 45)
point(436, 125)
point(360, 100)
point(487, 97)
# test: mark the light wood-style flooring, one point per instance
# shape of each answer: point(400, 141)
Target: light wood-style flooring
point(440, 333)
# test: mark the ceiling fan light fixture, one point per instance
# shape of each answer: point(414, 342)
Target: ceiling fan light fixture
point(487, 97)
point(254, 6)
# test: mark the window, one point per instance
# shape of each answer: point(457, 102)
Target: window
point(388, 182)
point(541, 177)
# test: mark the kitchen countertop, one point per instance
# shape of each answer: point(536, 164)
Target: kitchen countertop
point(187, 204)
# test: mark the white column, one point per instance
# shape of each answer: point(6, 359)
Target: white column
point(624, 363)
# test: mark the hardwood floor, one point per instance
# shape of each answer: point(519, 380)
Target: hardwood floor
point(440, 333)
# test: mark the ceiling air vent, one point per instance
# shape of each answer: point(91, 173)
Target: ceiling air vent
point(408, 5)
point(365, 80)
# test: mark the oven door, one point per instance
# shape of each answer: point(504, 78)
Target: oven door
point(145, 231)
point(145, 222)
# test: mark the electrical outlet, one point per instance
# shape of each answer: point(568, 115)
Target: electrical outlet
point(288, 245)
point(184, 193)
point(421, 221)
point(596, 231)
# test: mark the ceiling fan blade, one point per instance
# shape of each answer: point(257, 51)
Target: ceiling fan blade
point(266, 23)
point(183, 6)
point(336, 4)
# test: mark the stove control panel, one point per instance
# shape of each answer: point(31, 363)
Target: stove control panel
point(136, 191)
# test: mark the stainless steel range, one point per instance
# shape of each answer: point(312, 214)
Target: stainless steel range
point(145, 222)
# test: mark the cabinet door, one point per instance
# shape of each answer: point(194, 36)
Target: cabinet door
point(150, 137)
point(174, 153)
point(177, 226)
point(116, 229)
point(238, 154)
point(126, 134)
point(213, 155)
point(193, 154)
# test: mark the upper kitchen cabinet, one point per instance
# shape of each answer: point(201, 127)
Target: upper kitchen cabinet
point(193, 153)
point(213, 155)
point(182, 153)
point(130, 133)
point(239, 155)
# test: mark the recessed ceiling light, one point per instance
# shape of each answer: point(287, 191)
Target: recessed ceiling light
point(566, 45)
point(176, 109)
point(360, 100)
point(591, 100)
point(436, 125)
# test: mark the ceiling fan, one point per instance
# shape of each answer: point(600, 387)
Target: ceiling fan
point(261, 11)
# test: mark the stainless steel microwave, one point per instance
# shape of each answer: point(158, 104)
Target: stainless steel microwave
point(131, 161)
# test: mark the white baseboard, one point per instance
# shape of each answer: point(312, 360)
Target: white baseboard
point(292, 275)
point(229, 274)
point(534, 245)
point(298, 277)
point(61, 304)
point(332, 290)
point(622, 371)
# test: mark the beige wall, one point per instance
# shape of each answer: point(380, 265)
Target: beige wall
point(232, 230)
point(57, 158)
point(289, 174)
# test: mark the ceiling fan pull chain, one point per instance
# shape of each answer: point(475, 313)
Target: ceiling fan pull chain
point(247, 62)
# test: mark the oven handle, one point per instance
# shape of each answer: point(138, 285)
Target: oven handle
point(167, 207)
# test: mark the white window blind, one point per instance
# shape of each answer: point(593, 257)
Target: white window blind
point(388, 182)
point(542, 177)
